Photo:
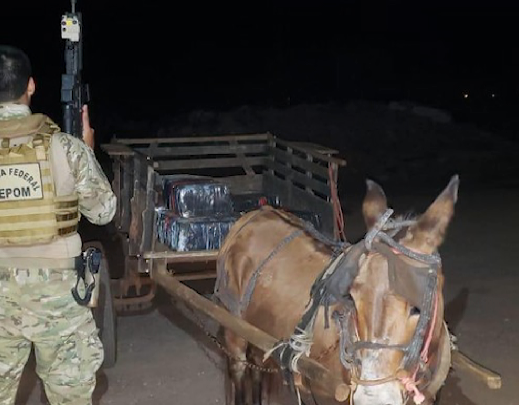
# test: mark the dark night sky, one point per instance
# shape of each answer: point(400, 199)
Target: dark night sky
point(152, 58)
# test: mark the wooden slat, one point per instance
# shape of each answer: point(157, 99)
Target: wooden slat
point(461, 362)
point(300, 178)
point(117, 149)
point(205, 163)
point(243, 159)
point(126, 192)
point(195, 275)
point(148, 213)
point(326, 158)
point(315, 148)
point(247, 183)
point(158, 151)
point(306, 165)
point(137, 205)
point(195, 139)
point(183, 257)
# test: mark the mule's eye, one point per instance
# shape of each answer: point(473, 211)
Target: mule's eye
point(414, 311)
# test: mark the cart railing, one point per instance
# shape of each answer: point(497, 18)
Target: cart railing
point(302, 175)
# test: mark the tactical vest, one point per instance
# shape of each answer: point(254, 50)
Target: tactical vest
point(30, 211)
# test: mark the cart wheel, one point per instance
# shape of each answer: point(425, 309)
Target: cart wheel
point(104, 314)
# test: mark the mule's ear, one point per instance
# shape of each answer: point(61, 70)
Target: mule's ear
point(428, 233)
point(374, 205)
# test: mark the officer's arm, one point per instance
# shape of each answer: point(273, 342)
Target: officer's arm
point(97, 202)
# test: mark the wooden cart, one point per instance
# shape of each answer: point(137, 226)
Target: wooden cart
point(302, 176)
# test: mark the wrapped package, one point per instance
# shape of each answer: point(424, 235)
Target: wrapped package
point(190, 198)
point(190, 234)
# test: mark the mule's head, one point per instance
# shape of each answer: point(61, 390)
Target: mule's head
point(385, 319)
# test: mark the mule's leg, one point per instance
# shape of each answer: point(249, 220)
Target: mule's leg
point(229, 384)
point(237, 370)
point(260, 379)
point(257, 387)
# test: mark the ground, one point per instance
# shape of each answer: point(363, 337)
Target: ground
point(164, 358)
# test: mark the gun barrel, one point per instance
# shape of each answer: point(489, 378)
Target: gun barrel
point(74, 94)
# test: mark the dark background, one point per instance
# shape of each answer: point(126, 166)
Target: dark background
point(150, 59)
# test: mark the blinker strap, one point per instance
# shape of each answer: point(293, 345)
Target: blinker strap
point(431, 259)
point(384, 224)
point(377, 228)
point(412, 355)
point(423, 284)
point(405, 280)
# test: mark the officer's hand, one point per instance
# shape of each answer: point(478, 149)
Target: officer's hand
point(88, 131)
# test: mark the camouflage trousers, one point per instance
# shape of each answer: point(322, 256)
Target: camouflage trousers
point(37, 308)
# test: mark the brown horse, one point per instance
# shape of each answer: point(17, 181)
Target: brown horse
point(371, 313)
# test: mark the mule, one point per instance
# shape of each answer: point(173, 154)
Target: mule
point(371, 313)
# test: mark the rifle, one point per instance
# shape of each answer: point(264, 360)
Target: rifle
point(74, 94)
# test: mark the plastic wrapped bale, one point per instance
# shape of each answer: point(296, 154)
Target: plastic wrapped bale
point(190, 198)
point(191, 234)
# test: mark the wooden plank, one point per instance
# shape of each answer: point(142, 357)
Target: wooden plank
point(116, 187)
point(300, 178)
point(241, 156)
point(313, 147)
point(243, 184)
point(126, 192)
point(309, 173)
point(322, 379)
point(117, 149)
point(148, 213)
point(195, 275)
point(297, 161)
point(183, 257)
point(461, 362)
point(160, 151)
point(186, 164)
point(137, 206)
point(195, 139)
point(314, 153)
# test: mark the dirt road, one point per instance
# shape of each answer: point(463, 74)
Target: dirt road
point(165, 359)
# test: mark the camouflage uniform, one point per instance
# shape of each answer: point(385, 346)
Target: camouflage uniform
point(36, 305)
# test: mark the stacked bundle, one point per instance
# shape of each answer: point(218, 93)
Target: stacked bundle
point(197, 214)
point(195, 198)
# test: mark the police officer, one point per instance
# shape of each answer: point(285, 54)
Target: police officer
point(47, 180)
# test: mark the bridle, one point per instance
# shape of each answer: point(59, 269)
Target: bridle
point(380, 240)
point(407, 376)
point(333, 286)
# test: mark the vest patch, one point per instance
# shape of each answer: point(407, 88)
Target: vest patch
point(20, 182)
